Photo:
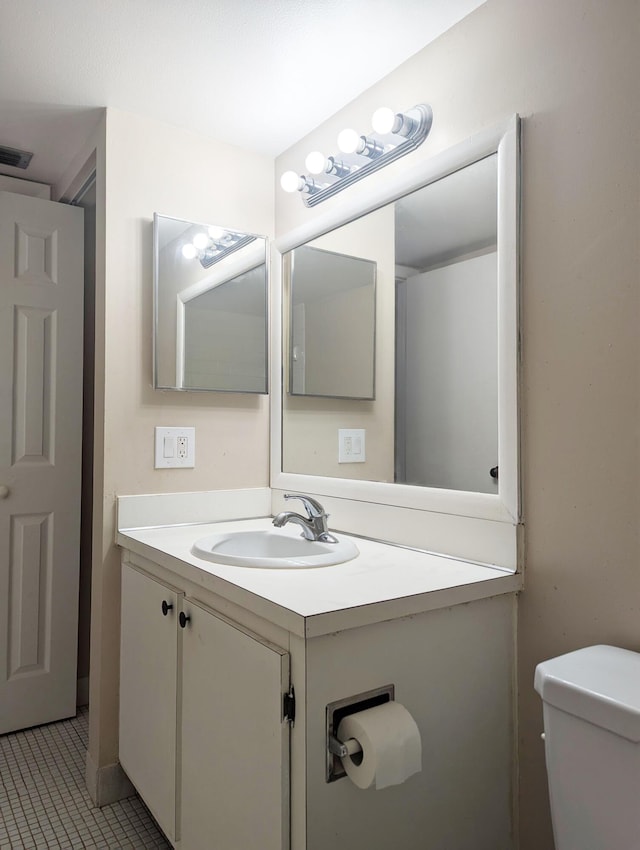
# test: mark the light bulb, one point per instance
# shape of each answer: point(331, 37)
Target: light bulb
point(189, 251)
point(315, 162)
point(348, 141)
point(216, 232)
point(290, 181)
point(200, 241)
point(383, 120)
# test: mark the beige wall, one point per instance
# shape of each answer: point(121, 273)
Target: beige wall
point(335, 369)
point(145, 167)
point(571, 70)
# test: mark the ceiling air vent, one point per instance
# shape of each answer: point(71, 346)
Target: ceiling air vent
point(14, 157)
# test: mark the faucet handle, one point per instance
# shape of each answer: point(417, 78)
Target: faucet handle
point(314, 508)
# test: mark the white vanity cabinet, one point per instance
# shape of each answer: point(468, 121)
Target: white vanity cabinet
point(202, 732)
point(439, 631)
point(235, 741)
point(148, 692)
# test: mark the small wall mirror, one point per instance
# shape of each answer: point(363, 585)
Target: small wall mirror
point(441, 432)
point(210, 306)
point(332, 323)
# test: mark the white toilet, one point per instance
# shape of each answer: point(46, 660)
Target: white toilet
point(592, 744)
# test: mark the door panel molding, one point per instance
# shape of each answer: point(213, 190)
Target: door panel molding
point(36, 254)
point(34, 370)
point(29, 620)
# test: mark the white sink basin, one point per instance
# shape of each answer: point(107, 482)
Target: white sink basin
point(273, 549)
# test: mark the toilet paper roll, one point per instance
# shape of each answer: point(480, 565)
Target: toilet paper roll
point(391, 745)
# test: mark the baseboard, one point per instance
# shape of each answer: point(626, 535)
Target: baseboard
point(82, 692)
point(107, 784)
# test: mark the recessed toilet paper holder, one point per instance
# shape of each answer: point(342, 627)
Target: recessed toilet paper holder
point(335, 712)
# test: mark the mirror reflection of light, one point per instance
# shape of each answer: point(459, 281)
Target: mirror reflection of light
point(189, 252)
point(201, 241)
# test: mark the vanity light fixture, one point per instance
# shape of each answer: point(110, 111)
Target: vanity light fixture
point(214, 244)
point(394, 135)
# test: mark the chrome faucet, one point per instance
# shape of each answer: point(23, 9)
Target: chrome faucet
point(314, 525)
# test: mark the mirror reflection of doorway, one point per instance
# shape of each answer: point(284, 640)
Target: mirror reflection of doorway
point(447, 376)
point(446, 346)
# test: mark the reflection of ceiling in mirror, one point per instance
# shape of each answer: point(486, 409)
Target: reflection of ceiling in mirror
point(319, 274)
point(243, 294)
point(170, 229)
point(453, 216)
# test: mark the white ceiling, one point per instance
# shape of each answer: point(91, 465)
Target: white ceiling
point(256, 73)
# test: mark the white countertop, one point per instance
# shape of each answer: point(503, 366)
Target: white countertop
point(382, 583)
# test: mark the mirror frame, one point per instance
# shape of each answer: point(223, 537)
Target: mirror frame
point(505, 506)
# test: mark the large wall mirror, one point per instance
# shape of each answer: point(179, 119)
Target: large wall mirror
point(442, 431)
point(210, 305)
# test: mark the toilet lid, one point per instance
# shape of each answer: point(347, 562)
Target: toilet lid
point(600, 684)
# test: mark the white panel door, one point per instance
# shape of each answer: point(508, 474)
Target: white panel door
point(41, 328)
point(235, 742)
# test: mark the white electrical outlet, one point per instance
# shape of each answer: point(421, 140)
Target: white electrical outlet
point(351, 445)
point(175, 448)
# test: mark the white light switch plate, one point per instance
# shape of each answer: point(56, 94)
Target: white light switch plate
point(351, 445)
point(175, 448)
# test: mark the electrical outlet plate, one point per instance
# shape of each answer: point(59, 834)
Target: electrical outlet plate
point(351, 445)
point(175, 448)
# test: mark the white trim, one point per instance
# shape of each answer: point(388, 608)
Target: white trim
point(508, 319)
point(81, 178)
point(107, 784)
point(19, 186)
point(82, 691)
point(502, 139)
point(180, 339)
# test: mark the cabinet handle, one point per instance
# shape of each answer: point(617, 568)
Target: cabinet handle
point(183, 619)
point(166, 607)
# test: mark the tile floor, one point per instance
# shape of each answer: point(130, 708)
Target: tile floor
point(44, 802)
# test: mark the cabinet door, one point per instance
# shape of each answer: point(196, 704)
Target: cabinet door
point(148, 692)
point(235, 743)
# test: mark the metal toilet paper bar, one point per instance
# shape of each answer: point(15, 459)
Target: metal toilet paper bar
point(344, 748)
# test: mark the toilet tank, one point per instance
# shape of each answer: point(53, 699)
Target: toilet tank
point(591, 705)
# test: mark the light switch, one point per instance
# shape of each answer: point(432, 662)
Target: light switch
point(175, 448)
point(351, 445)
